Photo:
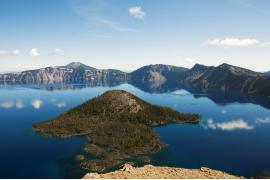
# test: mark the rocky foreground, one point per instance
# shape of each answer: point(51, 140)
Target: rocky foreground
point(153, 172)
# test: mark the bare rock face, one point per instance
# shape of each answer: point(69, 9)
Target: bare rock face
point(72, 73)
point(223, 78)
point(156, 75)
point(151, 172)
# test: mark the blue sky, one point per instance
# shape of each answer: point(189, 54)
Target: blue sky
point(126, 34)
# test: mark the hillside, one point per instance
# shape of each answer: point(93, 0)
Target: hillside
point(223, 78)
point(194, 73)
point(118, 124)
point(74, 72)
point(157, 74)
point(227, 78)
point(267, 74)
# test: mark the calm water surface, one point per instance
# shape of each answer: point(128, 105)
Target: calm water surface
point(232, 136)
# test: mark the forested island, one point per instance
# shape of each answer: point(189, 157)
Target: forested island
point(118, 126)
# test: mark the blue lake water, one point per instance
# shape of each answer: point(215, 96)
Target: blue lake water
point(232, 136)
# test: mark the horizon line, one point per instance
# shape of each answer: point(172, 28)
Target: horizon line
point(127, 71)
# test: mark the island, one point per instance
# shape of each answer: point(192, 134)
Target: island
point(118, 127)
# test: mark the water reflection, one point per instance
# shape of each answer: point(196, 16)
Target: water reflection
point(218, 97)
point(265, 120)
point(6, 104)
point(37, 103)
point(231, 136)
point(232, 125)
point(19, 104)
point(61, 104)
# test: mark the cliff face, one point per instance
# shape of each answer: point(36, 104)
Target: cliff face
point(156, 75)
point(227, 78)
point(71, 73)
point(152, 172)
point(223, 78)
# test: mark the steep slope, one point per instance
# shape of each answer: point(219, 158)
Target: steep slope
point(267, 74)
point(194, 73)
point(152, 78)
point(72, 73)
point(156, 75)
point(119, 125)
point(239, 71)
point(228, 78)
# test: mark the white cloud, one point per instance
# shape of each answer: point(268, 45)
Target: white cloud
point(19, 104)
point(252, 6)
point(56, 51)
point(34, 52)
point(92, 13)
point(137, 12)
point(37, 103)
point(233, 42)
point(6, 104)
point(10, 53)
point(265, 44)
point(265, 120)
point(232, 125)
point(187, 61)
point(115, 26)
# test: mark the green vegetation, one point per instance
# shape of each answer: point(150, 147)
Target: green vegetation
point(118, 125)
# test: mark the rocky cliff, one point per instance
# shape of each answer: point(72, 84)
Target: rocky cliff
point(228, 78)
point(72, 73)
point(152, 172)
point(223, 78)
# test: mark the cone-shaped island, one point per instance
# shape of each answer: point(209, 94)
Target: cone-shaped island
point(118, 126)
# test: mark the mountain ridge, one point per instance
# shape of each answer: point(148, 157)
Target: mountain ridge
point(225, 77)
point(74, 72)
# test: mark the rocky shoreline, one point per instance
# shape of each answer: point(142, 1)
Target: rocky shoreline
point(153, 172)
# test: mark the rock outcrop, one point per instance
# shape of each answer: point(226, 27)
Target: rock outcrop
point(152, 172)
point(223, 78)
point(154, 76)
point(72, 73)
point(227, 78)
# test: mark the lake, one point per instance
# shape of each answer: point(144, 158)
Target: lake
point(233, 135)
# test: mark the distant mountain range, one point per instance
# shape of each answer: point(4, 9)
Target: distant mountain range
point(72, 73)
point(267, 73)
point(227, 78)
point(224, 78)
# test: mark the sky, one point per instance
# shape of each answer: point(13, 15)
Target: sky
point(127, 34)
